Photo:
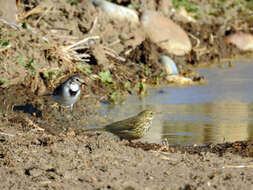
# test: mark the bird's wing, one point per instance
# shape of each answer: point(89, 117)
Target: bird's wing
point(128, 134)
point(95, 129)
point(58, 90)
point(127, 124)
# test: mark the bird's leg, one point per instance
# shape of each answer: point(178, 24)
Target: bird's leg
point(72, 113)
point(60, 109)
point(71, 108)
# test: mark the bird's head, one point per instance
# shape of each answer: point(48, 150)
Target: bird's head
point(147, 114)
point(75, 82)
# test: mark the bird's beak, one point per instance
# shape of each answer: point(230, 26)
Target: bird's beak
point(83, 82)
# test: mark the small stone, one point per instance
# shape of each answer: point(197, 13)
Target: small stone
point(35, 172)
point(165, 33)
point(116, 11)
point(169, 65)
point(179, 80)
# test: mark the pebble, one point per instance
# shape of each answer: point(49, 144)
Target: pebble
point(116, 11)
point(169, 65)
point(179, 80)
point(172, 72)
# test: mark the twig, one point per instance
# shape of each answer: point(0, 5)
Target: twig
point(39, 19)
point(238, 166)
point(201, 51)
point(94, 24)
point(195, 38)
point(113, 43)
point(80, 47)
point(115, 56)
point(69, 53)
point(128, 51)
point(81, 42)
point(13, 25)
point(211, 39)
point(63, 36)
point(8, 134)
point(35, 10)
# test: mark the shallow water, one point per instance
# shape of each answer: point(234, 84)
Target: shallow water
point(214, 113)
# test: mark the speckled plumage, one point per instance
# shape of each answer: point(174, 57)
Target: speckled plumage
point(132, 128)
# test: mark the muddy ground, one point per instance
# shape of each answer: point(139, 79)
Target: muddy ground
point(42, 148)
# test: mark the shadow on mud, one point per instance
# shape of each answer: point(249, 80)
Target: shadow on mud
point(28, 108)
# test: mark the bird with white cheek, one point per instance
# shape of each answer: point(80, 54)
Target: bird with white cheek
point(67, 93)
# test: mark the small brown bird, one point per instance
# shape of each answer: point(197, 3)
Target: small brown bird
point(132, 128)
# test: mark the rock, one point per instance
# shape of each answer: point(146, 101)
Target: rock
point(241, 40)
point(34, 172)
point(116, 11)
point(179, 80)
point(169, 65)
point(172, 72)
point(165, 33)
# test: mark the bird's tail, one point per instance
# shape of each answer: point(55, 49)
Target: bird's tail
point(95, 129)
point(47, 95)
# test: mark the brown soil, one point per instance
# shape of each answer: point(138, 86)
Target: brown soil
point(41, 148)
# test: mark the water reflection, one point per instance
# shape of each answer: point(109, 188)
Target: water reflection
point(217, 112)
point(212, 122)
